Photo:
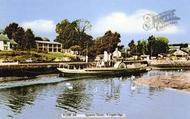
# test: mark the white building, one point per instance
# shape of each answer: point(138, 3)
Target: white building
point(49, 46)
point(6, 43)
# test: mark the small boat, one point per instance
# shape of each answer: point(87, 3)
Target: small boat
point(83, 68)
point(7, 63)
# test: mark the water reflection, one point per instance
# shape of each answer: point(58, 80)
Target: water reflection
point(153, 91)
point(17, 100)
point(75, 99)
point(19, 97)
point(96, 95)
point(113, 89)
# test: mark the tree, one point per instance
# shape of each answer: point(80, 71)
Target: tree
point(108, 42)
point(157, 45)
point(11, 29)
point(29, 39)
point(25, 40)
point(162, 44)
point(133, 47)
point(151, 45)
point(38, 38)
point(73, 33)
point(142, 47)
point(19, 37)
point(83, 25)
point(76, 48)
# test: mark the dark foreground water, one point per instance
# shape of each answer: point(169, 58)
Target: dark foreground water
point(93, 95)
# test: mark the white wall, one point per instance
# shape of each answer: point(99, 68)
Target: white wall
point(188, 45)
point(1, 45)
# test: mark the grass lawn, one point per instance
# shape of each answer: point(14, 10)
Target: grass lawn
point(35, 56)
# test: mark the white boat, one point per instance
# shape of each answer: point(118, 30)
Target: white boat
point(82, 68)
point(8, 62)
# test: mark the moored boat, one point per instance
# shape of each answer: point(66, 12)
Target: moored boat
point(119, 69)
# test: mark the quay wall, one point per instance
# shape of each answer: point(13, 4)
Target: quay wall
point(28, 69)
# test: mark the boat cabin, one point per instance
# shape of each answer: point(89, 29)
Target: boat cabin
point(76, 65)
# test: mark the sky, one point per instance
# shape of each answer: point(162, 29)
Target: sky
point(122, 16)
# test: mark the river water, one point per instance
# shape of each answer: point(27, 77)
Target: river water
point(92, 95)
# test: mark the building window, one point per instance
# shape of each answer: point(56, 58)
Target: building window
point(5, 48)
point(5, 42)
point(40, 44)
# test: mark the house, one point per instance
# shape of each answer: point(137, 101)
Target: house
point(47, 46)
point(179, 53)
point(6, 43)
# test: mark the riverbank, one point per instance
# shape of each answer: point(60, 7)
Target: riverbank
point(178, 81)
point(170, 63)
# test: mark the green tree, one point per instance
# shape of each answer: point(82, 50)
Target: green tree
point(11, 29)
point(38, 38)
point(157, 45)
point(151, 45)
point(20, 38)
point(25, 40)
point(29, 39)
point(108, 42)
point(76, 48)
point(73, 33)
point(142, 47)
point(133, 47)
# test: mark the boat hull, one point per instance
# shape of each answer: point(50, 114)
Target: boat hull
point(102, 72)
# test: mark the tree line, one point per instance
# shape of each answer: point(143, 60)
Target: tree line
point(74, 35)
point(152, 46)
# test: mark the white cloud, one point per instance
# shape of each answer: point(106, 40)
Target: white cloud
point(128, 23)
point(40, 25)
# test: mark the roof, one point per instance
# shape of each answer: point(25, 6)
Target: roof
point(180, 53)
point(4, 37)
point(47, 42)
point(13, 42)
point(186, 49)
point(76, 63)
